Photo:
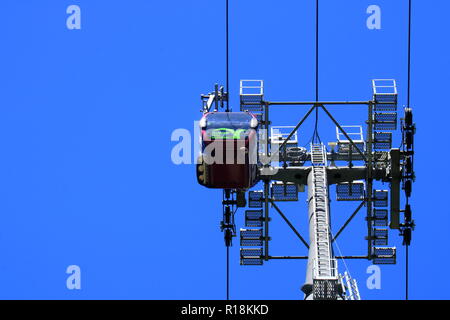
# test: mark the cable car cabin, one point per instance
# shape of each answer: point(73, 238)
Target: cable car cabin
point(228, 158)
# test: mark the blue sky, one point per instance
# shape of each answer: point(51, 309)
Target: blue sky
point(86, 118)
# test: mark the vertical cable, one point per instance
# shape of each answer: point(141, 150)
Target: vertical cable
point(407, 272)
point(408, 105)
point(227, 57)
point(409, 54)
point(317, 52)
point(228, 273)
point(227, 110)
point(315, 136)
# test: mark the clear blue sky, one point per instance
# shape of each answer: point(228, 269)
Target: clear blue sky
point(86, 118)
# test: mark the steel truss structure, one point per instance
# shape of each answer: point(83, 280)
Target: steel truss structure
point(285, 168)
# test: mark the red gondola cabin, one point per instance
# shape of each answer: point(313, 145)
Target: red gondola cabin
point(228, 158)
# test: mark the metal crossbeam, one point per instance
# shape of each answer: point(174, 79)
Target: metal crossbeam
point(317, 103)
point(306, 257)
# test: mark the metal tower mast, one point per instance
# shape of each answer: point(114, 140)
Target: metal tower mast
point(321, 274)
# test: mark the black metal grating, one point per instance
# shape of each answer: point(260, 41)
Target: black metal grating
point(251, 252)
point(350, 191)
point(255, 199)
point(251, 262)
point(382, 136)
point(382, 145)
point(380, 217)
point(385, 121)
point(382, 140)
point(254, 218)
point(251, 233)
point(251, 105)
point(384, 255)
point(255, 99)
point(386, 98)
point(380, 237)
point(252, 108)
point(284, 192)
point(251, 237)
point(380, 198)
point(245, 242)
point(385, 126)
point(386, 116)
point(386, 106)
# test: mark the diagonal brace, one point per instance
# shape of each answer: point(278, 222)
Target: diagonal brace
point(348, 220)
point(289, 224)
point(292, 133)
point(345, 133)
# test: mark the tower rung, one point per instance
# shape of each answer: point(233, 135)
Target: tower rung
point(318, 154)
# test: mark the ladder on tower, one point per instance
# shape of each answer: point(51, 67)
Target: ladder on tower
point(318, 154)
point(324, 265)
point(325, 278)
